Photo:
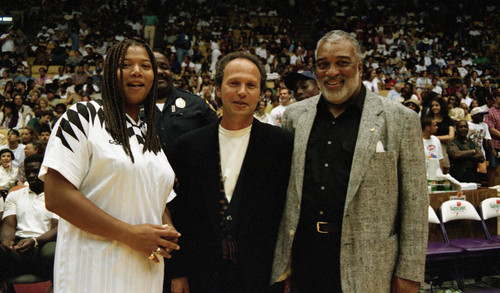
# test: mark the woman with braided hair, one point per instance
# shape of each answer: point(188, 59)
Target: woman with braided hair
point(108, 179)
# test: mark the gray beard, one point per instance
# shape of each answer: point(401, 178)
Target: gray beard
point(347, 90)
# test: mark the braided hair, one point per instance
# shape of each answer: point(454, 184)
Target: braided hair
point(113, 96)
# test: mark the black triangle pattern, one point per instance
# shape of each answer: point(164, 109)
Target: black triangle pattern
point(72, 118)
point(63, 139)
point(135, 130)
point(83, 111)
point(92, 111)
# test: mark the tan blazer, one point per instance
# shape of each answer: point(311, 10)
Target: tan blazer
point(384, 231)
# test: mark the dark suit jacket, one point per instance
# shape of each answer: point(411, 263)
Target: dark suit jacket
point(261, 186)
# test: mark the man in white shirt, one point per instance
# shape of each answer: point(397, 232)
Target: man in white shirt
point(440, 60)
point(395, 93)
point(276, 113)
point(420, 67)
point(436, 88)
point(432, 145)
point(297, 56)
point(225, 196)
point(478, 130)
point(461, 70)
point(464, 90)
point(423, 82)
point(27, 240)
point(14, 145)
point(7, 41)
point(261, 51)
point(467, 60)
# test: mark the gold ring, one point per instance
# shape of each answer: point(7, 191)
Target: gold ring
point(151, 256)
point(158, 250)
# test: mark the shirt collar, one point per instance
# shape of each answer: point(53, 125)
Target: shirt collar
point(354, 104)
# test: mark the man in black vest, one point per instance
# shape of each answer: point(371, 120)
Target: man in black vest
point(233, 176)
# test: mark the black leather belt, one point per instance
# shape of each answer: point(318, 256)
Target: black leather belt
point(326, 227)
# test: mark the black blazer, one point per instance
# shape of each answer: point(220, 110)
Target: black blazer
point(261, 186)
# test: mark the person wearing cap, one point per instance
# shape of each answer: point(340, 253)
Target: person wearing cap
point(479, 132)
point(413, 104)
point(92, 56)
point(43, 36)
point(177, 111)
point(303, 84)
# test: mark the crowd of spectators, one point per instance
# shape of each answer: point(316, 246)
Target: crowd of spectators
point(53, 55)
point(438, 58)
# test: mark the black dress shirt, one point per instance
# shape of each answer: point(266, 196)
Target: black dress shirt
point(330, 150)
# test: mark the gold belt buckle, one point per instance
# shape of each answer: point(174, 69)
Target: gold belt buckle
point(318, 227)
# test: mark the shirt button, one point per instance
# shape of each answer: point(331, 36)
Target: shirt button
point(292, 232)
point(333, 122)
point(326, 165)
point(322, 188)
point(329, 142)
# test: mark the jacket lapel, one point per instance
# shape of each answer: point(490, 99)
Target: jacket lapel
point(209, 153)
point(370, 128)
point(302, 132)
point(253, 156)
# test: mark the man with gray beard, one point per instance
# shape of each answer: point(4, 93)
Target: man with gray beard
point(355, 218)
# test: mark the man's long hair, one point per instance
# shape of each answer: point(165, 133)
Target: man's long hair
point(113, 96)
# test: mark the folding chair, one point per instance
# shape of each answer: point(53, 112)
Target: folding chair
point(481, 253)
point(437, 249)
point(490, 208)
point(443, 257)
